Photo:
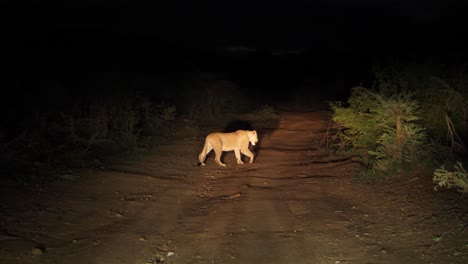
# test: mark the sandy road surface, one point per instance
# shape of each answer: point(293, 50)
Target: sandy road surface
point(294, 204)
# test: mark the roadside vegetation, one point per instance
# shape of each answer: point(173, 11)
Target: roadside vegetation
point(53, 143)
point(413, 116)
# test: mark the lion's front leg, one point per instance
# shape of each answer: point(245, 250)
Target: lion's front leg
point(248, 153)
point(238, 156)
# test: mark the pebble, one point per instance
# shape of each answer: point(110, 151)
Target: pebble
point(37, 251)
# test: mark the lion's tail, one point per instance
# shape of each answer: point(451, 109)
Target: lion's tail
point(203, 153)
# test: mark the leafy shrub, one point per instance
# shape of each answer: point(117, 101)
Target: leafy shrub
point(155, 117)
point(445, 114)
point(382, 127)
point(78, 138)
point(458, 178)
point(441, 96)
point(165, 112)
point(357, 127)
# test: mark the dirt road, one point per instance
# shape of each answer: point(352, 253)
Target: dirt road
point(294, 204)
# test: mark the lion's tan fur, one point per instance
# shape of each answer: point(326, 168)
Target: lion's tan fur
point(237, 141)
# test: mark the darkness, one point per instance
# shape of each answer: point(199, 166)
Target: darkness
point(57, 53)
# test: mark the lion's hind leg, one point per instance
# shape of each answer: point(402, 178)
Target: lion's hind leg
point(219, 151)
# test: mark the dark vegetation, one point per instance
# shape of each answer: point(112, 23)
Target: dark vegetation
point(76, 105)
point(411, 116)
point(50, 135)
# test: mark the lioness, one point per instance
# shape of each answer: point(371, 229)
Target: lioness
point(237, 141)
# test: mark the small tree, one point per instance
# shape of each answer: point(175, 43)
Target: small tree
point(384, 126)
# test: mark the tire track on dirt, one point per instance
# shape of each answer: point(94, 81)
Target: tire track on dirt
point(272, 229)
point(286, 207)
point(247, 213)
point(294, 204)
point(262, 221)
point(271, 211)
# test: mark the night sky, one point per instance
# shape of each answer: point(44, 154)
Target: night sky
point(58, 47)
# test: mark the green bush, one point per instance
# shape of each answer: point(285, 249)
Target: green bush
point(441, 95)
point(458, 178)
point(382, 128)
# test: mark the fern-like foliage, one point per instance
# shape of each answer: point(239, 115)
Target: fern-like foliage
point(385, 126)
point(458, 178)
